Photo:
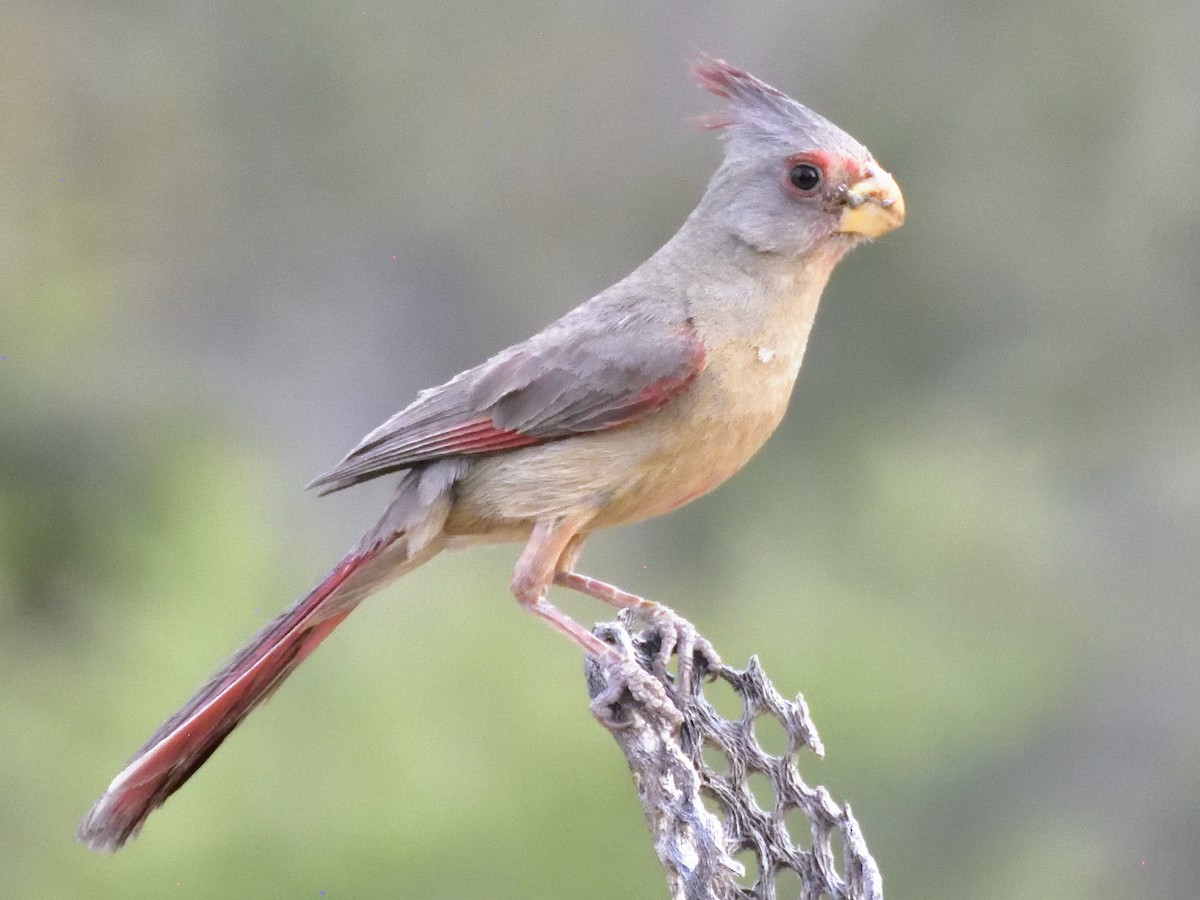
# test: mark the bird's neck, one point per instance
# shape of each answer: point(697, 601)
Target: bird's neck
point(742, 293)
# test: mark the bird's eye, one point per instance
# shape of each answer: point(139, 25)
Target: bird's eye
point(804, 177)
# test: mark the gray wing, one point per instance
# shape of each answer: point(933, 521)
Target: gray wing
point(563, 381)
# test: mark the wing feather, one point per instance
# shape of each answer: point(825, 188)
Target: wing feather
point(560, 382)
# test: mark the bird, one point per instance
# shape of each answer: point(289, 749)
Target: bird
point(636, 402)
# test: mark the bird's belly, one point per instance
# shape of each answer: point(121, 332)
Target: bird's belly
point(714, 435)
point(637, 471)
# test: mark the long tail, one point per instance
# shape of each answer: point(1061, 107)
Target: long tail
point(407, 535)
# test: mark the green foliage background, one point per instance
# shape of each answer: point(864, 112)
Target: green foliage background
point(234, 237)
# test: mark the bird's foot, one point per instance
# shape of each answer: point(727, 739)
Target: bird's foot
point(675, 633)
point(678, 635)
point(621, 672)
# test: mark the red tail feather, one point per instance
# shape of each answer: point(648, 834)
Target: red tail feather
point(184, 742)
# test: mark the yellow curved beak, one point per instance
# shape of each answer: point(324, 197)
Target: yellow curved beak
point(874, 205)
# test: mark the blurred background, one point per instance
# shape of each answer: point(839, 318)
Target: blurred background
point(234, 237)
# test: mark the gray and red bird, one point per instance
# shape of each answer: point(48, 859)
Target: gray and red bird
point(640, 400)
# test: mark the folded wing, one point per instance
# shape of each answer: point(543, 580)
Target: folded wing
point(564, 381)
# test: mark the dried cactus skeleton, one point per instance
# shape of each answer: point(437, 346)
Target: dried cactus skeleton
point(672, 758)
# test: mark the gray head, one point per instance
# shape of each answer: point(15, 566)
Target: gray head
point(792, 183)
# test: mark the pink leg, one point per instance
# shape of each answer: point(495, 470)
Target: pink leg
point(677, 634)
point(602, 590)
point(534, 573)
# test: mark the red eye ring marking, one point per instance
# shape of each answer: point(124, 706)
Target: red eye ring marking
point(805, 173)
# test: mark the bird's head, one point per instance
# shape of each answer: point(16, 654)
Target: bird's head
point(792, 183)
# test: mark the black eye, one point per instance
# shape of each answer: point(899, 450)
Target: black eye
point(804, 176)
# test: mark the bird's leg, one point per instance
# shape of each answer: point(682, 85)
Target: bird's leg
point(532, 579)
point(677, 634)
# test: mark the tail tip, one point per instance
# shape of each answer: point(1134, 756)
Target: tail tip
point(103, 831)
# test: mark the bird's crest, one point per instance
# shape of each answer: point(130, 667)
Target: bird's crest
point(743, 91)
point(757, 110)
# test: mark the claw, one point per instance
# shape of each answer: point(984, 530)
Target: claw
point(675, 633)
point(622, 673)
point(678, 635)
